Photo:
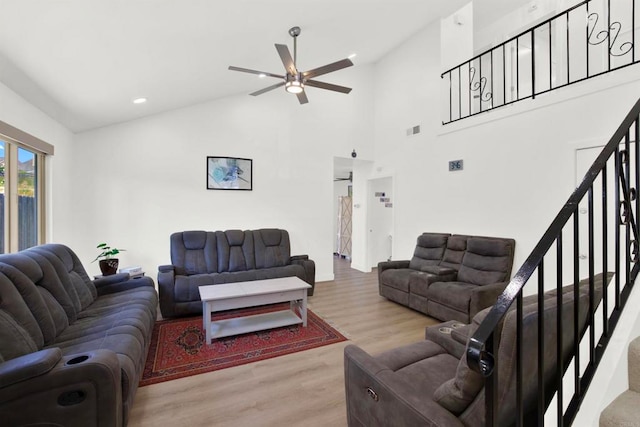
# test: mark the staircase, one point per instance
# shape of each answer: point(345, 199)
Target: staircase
point(602, 219)
point(624, 411)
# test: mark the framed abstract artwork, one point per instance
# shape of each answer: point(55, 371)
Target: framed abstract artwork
point(229, 173)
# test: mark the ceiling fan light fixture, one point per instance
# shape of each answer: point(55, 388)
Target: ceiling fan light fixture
point(294, 86)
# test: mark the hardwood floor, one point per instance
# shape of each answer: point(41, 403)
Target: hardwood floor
point(301, 388)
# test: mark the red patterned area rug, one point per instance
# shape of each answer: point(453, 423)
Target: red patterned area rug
point(178, 347)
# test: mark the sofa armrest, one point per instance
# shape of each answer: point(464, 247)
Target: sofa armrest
point(485, 296)
point(166, 285)
point(451, 335)
point(309, 270)
point(376, 395)
point(354, 354)
point(166, 268)
point(110, 280)
point(438, 270)
point(66, 390)
point(385, 265)
point(28, 366)
point(388, 265)
point(111, 285)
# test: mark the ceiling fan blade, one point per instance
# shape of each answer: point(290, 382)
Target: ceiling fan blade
point(246, 70)
point(302, 97)
point(267, 89)
point(335, 66)
point(286, 58)
point(327, 86)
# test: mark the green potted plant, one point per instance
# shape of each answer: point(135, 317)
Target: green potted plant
point(108, 264)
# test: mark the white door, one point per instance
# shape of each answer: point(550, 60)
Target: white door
point(584, 160)
point(380, 220)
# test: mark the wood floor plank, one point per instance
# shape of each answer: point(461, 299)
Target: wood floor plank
point(301, 388)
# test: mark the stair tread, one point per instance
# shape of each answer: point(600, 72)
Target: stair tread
point(623, 411)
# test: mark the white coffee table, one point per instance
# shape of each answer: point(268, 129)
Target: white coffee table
point(249, 294)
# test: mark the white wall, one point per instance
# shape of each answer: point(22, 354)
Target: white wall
point(145, 179)
point(518, 161)
point(507, 26)
point(457, 30)
point(17, 112)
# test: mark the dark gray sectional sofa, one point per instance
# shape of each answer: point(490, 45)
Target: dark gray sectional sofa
point(200, 258)
point(449, 277)
point(72, 350)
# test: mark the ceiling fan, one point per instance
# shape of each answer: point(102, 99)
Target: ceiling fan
point(349, 178)
point(294, 80)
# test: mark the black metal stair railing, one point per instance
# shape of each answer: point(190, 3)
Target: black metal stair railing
point(591, 38)
point(607, 196)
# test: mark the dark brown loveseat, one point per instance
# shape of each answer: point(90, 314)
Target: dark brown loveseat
point(200, 258)
point(72, 350)
point(428, 383)
point(450, 277)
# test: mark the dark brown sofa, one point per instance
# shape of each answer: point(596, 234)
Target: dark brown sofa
point(449, 277)
point(428, 383)
point(72, 350)
point(200, 258)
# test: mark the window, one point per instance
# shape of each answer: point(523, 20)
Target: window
point(21, 189)
point(27, 197)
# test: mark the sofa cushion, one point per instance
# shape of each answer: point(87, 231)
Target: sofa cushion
point(454, 295)
point(235, 250)
point(186, 287)
point(397, 278)
point(429, 250)
point(456, 246)
point(15, 341)
point(12, 303)
point(34, 271)
point(419, 282)
point(457, 393)
point(55, 276)
point(58, 315)
point(194, 252)
point(486, 261)
point(291, 270)
point(68, 269)
point(234, 277)
point(272, 248)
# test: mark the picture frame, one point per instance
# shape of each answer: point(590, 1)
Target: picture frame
point(229, 173)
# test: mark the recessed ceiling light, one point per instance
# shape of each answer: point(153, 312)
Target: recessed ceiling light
point(353, 55)
point(262, 75)
point(140, 100)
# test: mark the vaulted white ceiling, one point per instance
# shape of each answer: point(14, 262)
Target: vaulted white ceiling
point(83, 61)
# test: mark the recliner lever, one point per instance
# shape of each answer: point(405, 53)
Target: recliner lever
point(372, 394)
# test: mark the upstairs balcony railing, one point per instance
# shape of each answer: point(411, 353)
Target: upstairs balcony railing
point(592, 38)
point(595, 234)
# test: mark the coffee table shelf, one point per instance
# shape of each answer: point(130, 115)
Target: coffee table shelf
point(242, 325)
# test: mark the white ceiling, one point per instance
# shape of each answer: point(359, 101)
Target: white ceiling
point(83, 61)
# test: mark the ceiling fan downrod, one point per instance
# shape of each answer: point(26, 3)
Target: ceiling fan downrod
point(295, 32)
